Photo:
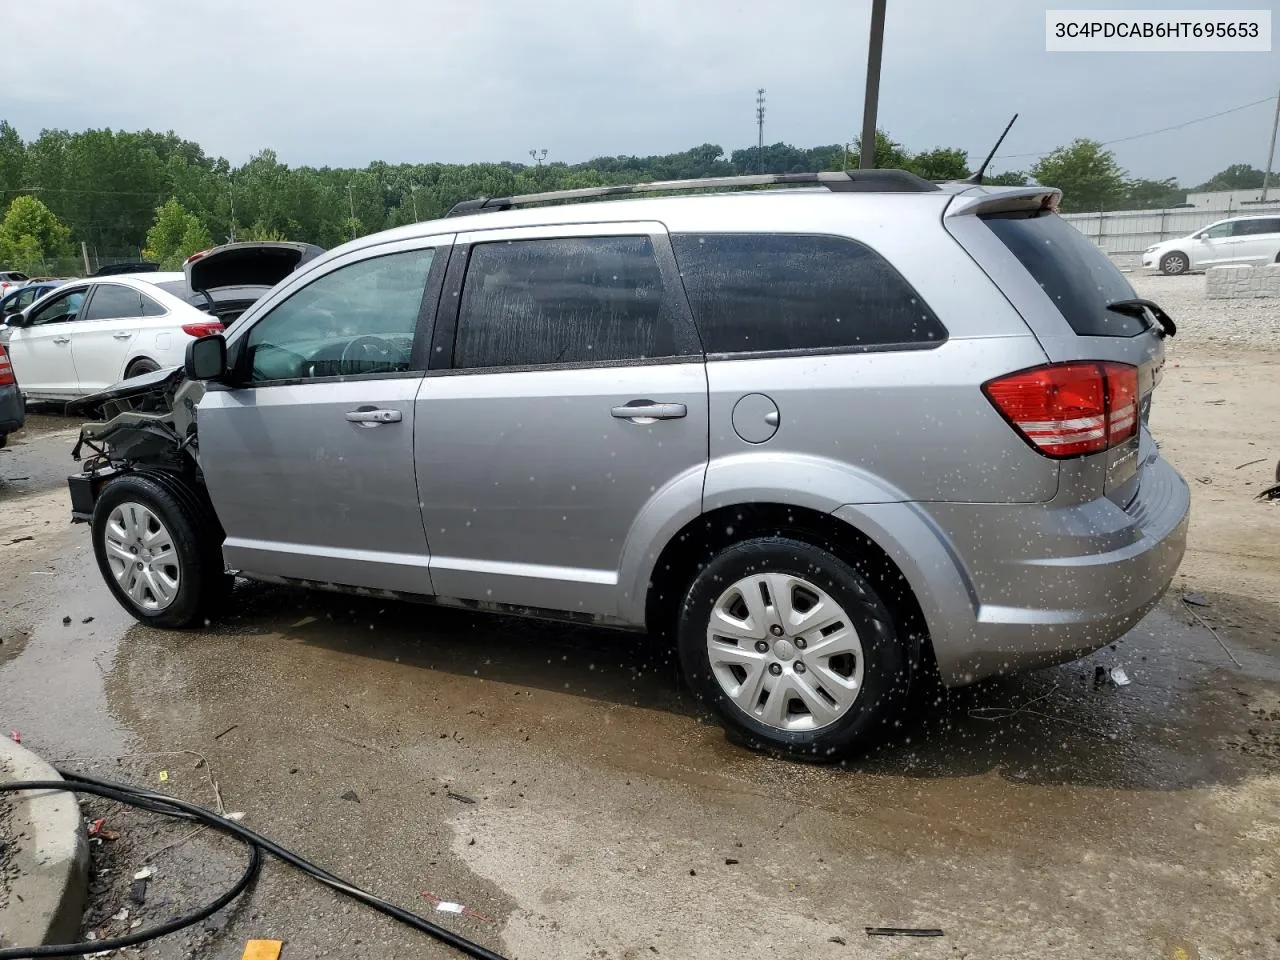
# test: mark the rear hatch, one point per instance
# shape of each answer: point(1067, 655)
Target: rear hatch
point(1082, 310)
point(227, 280)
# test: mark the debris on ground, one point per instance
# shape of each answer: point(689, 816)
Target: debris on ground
point(15, 736)
point(146, 873)
point(1270, 493)
point(1205, 623)
point(87, 620)
point(839, 940)
point(452, 906)
point(1196, 599)
point(65, 621)
point(1251, 463)
point(262, 950)
point(138, 892)
point(350, 795)
point(1119, 677)
point(164, 776)
point(904, 932)
point(461, 798)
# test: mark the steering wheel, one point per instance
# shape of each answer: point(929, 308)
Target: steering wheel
point(371, 349)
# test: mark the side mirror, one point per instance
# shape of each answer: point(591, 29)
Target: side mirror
point(206, 358)
point(15, 319)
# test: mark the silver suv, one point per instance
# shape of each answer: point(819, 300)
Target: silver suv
point(823, 437)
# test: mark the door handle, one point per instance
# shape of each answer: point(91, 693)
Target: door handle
point(372, 418)
point(61, 339)
point(122, 335)
point(647, 411)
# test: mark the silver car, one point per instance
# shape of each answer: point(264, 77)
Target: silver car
point(823, 438)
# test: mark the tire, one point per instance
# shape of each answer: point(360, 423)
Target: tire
point(139, 367)
point(1174, 263)
point(168, 527)
point(791, 711)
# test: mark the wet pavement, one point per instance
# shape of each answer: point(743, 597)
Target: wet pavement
point(562, 784)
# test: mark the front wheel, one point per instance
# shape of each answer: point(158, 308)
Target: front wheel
point(793, 648)
point(159, 550)
point(1173, 264)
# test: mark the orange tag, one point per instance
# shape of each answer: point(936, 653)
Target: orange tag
point(262, 950)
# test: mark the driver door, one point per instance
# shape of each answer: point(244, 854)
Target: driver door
point(41, 349)
point(1212, 246)
point(308, 452)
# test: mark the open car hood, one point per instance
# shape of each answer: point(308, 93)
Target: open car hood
point(250, 264)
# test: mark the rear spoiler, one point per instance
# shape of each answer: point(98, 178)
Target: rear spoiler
point(978, 200)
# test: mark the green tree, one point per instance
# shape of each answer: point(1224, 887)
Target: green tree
point(1087, 175)
point(31, 236)
point(12, 161)
point(940, 163)
point(175, 235)
point(1142, 194)
point(1238, 176)
point(1009, 178)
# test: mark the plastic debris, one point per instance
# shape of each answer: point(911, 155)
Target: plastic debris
point(122, 914)
point(350, 795)
point(95, 828)
point(262, 950)
point(138, 892)
point(1119, 677)
point(237, 816)
point(135, 925)
point(452, 906)
point(1196, 599)
point(164, 775)
point(904, 932)
point(144, 874)
point(15, 736)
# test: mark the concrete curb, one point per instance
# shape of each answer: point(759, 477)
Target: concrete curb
point(48, 859)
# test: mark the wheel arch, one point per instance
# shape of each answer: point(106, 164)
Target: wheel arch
point(693, 545)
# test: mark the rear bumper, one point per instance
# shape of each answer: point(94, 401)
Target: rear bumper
point(1041, 584)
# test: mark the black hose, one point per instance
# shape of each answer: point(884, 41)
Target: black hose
point(173, 807)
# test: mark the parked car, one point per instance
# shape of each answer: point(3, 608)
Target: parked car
point(12, 409)
point(1240, 240)
point(18, 299)
point(817, 437)
point(95, 332)
point(11, 279)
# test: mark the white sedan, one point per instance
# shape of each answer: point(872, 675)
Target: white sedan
point(89, 334)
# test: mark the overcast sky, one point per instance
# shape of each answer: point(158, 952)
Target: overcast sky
point(328, 83)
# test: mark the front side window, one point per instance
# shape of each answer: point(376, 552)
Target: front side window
point(62, 309)
point(1218, 232)
point(113, 300)
point(568, 300)
point(768, 292)
point(358, 319)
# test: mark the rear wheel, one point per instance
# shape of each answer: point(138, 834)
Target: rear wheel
point(793, 649)
point(159, 550)
point(139, 367)
point(1172, 264)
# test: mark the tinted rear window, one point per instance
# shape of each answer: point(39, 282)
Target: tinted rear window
point(1073, 273)
point(753, 292)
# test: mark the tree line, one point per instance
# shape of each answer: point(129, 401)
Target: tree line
point(129, 194)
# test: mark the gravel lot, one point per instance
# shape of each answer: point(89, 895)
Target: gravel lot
point(1243, 323)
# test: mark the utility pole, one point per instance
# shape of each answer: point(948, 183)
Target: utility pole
point(1271, 151)
point(538, 156)
point(351, 200)
point(84, 252)
point(413, 197)
point(875, 47)
point(231, 193)
point(760, 130)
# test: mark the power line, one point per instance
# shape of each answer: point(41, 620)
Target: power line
point(1149, 133)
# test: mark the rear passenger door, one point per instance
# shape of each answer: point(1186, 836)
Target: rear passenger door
point(102, 337)
point(1255, 241)
point(568, 390)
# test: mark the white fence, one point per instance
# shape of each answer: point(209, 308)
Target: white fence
point(1132, 231)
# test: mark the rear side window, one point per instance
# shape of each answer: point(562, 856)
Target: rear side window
point(1072, 272)
point(150, 308)
point(112, 300)
point(769, 292)
point(1253, 228)
point(565, 300)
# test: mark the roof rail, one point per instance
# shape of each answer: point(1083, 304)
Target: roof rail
point(858, 181)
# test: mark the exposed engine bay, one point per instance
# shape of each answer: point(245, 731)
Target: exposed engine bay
point(148, 421)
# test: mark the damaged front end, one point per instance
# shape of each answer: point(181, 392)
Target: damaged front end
point(148, 422)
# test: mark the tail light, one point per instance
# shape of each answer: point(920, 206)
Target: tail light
point(1070, 409)
point(7, 379)
point(202, 328)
